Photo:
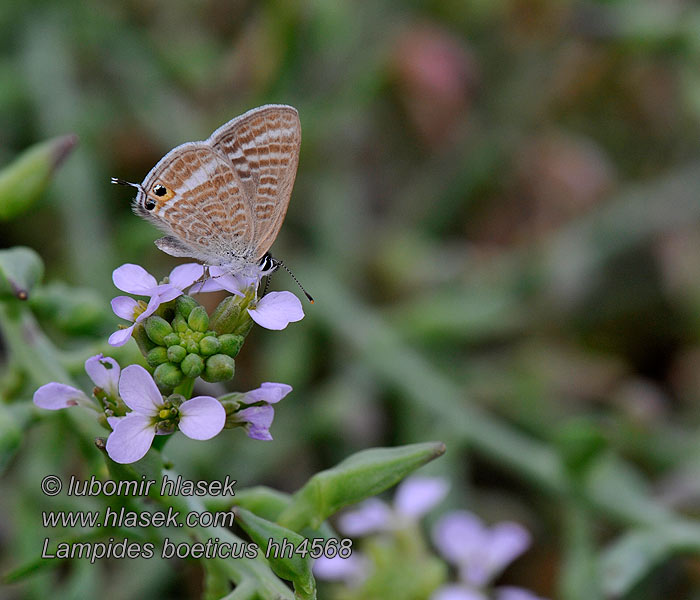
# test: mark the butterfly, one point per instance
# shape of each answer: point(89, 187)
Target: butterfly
point(223, 200)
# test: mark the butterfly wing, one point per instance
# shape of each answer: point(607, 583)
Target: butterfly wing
point(195, 196)
point(262, 146)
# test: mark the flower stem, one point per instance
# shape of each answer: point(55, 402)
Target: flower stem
point(185, 388)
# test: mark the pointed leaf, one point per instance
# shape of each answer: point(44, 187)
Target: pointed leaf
point(285, 564)
point(360, 476)
point(24, 180)
point(20, 270)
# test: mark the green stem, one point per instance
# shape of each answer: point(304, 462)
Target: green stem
point(185, 388)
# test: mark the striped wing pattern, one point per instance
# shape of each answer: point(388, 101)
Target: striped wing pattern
point(263, 147)
point(206, 209)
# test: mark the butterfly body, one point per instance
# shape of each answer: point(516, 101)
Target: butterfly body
point(223, 200)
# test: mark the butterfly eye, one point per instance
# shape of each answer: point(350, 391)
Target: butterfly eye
point(160, 190)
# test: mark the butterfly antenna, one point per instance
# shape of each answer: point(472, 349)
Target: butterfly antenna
point(309, 297)
point(122, 182)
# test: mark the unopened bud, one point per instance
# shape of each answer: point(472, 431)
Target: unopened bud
point(168, 375)
point(209, 345)
point(198, 319)
point(219, 368)
point(225, 316)
point(231, 344)
point(192, 365)
point(157, 356)
point(176, 354)
point(184, 305)
point(172, 339)
point(180, 323)
point(157, 328)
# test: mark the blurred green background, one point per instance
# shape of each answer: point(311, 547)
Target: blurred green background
point(497, 210)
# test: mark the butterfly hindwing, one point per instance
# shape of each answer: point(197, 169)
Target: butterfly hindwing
point(263, 148)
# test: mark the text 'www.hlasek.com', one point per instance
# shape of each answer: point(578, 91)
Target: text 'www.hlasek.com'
point(186, 513)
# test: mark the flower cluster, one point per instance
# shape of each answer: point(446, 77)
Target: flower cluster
point(175, 334)
point(136, 411)
point(478, 553)
point(181, 342)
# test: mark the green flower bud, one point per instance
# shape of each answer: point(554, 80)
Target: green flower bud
point(24, 180)
point(219, 368)
point(157, 356)
point(176, 353)
point(192, 346)
point(20, 270)
point(197, 336)
point(225, 316)
point(172, 339)
point(209, 345)
point(157, 328)
point(198, 319)
point(231, 344)
point(184, 305)
point(180, 324)
point(192, 366)
point(168, 375)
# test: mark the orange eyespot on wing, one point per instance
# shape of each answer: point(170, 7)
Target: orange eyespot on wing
point(160, 194)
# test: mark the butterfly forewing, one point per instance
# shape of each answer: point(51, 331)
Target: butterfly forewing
point(263, 148)
point(204, 206)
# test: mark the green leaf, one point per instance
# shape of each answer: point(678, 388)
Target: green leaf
point(634, 555)
point(24, 180)
point(20, 270)
point(263, 501)
point(72, 309)
point(287, 564)
point(630, 559)
point(216, 581)
point(360, 476)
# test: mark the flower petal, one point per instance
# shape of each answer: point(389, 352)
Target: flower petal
point(219, 280)
point(276, 310)
point(507, 541)
point(134, 279)
point(258, 420)
point(202, 418)
point(417, 495)
point(371, 516)
point(139, 391)
point(54, 396)
point(124, 306)
point(184, 276)
point(508, 592)
point(131, 438)
point(153, 305)
point(104, 372)
point(457, 592)
point(112, 421)
point(267, 392)
point(352, 569)
point(167, 292)
point(120, 336)
point(459, 536)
